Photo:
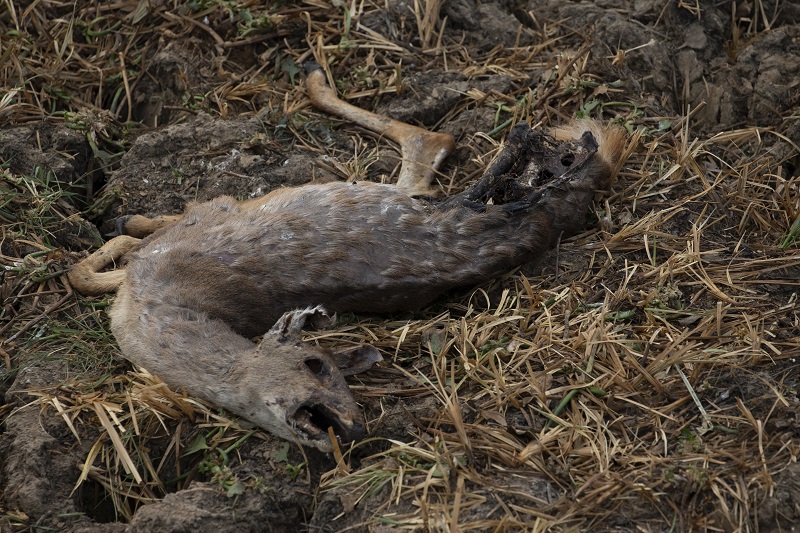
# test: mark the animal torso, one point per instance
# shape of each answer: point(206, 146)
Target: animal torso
point(360, 247)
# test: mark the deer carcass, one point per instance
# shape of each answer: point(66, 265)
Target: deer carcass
point(195, 291)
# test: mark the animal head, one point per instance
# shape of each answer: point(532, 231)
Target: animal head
point(296, 390)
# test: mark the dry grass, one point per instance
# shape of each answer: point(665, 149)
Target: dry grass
point(615, 378)
point(151, 441)
point(642, 374)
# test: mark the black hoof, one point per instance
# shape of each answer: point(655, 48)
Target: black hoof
point(311, 66)
point(119, 226)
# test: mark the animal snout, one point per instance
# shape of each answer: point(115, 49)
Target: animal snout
point(319, 368)
point(314, 418)
point(355, 433)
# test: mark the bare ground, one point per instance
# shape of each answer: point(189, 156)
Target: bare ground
point(643, 376)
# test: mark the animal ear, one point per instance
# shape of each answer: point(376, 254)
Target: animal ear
point(355, 360)
point(290, 324)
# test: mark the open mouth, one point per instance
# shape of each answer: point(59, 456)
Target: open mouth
point(313, 420)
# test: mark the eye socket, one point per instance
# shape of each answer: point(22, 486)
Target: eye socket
point(567, 159)
point(316, 366)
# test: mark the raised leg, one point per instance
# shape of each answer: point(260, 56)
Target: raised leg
point(86, 278)
point(422, 151)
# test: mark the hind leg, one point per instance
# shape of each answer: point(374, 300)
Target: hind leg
point(86, 278)
point(422, 150)
point(140, 226)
